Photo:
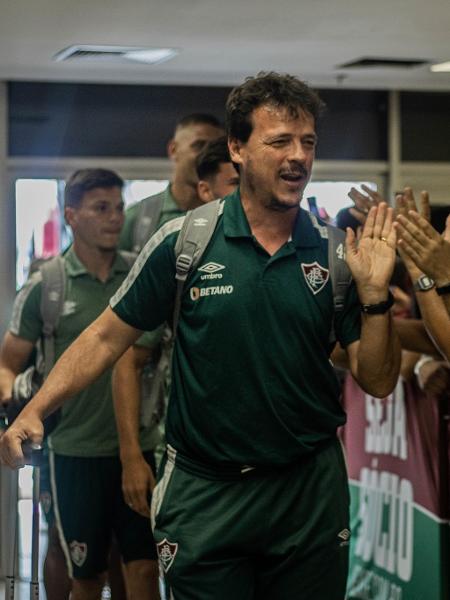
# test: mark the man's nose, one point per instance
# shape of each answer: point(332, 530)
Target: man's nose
point(297, 151)
point(116, 215)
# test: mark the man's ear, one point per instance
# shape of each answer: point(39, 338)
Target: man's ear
point(70, 216)
point(204, 191)
point(171, 148)
point(235, 148)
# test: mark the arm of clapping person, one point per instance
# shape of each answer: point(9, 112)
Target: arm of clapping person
point(425, 252)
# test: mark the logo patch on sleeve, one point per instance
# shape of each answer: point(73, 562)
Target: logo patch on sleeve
point(315, 275)
point(78, 552)
point(166, 554)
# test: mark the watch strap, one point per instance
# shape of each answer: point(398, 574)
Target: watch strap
point(443, 289)
point(380, 308)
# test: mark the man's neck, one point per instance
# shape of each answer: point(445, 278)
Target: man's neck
point(272, 228)
point(97, 262)
point(185, 196)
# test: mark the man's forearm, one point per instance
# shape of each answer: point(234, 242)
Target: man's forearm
point(6, 383)
point(441, 282)
point(436, 319)
point(127, 402)
point(414, 336)
point(379, 355)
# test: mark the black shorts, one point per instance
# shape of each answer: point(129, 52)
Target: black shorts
point(89, 506)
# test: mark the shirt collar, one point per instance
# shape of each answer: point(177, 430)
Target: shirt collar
point(75, 267)
point(306, 233)
point(169, 203)
point(235, 222)
point(307, 230)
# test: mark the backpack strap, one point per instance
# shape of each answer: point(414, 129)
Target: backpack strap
point(52, 302)
point(339, 272)
point(147, 220)
point(195, 235)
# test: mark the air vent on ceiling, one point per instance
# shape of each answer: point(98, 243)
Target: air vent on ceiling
point(383, 63)
point(84, 53)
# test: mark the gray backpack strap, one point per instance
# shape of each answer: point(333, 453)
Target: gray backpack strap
point(52, 302)
point(196, 232)
point(147, 220)
point(339, 272)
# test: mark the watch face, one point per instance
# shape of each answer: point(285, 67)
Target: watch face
point(425, 283)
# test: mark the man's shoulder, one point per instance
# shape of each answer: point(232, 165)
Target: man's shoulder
point(27, 302)
point(167, 234)
point(327, 234)
point(137, 206)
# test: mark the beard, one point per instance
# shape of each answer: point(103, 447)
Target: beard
point(277, 206)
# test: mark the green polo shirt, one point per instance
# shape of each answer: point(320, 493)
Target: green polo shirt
point(169, 211)
point(251, 378)
point(87, 427)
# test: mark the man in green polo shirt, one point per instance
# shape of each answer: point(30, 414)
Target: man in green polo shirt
point(253, 500)
point(84, 465)
point(217, 177)
point(192, 132)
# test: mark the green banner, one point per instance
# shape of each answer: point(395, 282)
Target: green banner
point(400, 555)
point(397, 457)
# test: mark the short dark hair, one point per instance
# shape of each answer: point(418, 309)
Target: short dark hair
point(198, 119)
point(275, 89)
point(211, 157)
point(84, 180)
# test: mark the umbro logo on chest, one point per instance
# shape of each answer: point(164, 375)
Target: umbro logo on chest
point(211, 270)
point(315, 276)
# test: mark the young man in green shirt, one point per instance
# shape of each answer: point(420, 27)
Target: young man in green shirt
point(192, 133)
point(253, 498)
point(84, 466)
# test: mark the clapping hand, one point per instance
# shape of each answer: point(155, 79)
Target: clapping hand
point(363, 202)
point(371, 260)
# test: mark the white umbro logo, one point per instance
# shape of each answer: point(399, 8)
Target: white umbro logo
point(69, 308)
point(211, 267)
point(200, 222)
point(344, 535)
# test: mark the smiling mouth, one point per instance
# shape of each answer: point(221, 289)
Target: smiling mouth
point(292, 178)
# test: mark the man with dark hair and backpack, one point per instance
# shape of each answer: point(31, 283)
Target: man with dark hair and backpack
point(192, 133)
point(217, 177)
point(252, 500)
point(83, 448)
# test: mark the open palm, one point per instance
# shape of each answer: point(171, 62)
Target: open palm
point(371, 259)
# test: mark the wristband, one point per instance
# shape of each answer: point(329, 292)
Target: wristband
point(443, 289)
point(378, 309)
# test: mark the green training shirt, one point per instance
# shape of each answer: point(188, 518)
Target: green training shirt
point(169, 211)
point(251, 379)
point(87, 427)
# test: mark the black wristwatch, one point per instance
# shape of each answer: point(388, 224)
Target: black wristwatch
point(423, 284)
point(443, 289)
point(380, 308)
